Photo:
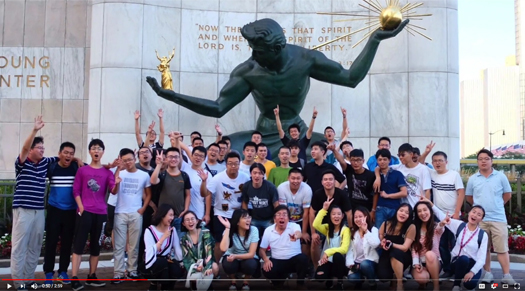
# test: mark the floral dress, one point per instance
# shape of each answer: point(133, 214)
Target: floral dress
point(203, 249)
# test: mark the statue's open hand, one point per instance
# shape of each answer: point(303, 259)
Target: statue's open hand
point(154, 84)
point(386, 34)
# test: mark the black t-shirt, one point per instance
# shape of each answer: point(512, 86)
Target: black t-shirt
point(303, 145)
point(260, 199)
point(360, 187)
point(299, 164)
point(340, 199)
point(312, 174)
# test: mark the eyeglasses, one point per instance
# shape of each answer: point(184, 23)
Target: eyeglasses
point(143, 152)
point(173, 157)
point(128, 160)
point(40, 148)
point(233, 164)
point(281, 215)
point(247, 217)
point(190, 219)
point(199, 156)
point(97, 149)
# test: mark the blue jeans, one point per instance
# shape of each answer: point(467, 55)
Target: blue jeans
point(445, 246)
point(367, 269)
point(383, 214)
point(461, 266)
point(177, 224)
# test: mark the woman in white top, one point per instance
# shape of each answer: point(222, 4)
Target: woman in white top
point(239, 245)
point(163, 252)
point(468, 255)
point(362, 256)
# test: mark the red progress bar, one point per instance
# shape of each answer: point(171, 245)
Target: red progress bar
point(27, 280)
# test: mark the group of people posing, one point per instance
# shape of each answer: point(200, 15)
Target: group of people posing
point(184, 211)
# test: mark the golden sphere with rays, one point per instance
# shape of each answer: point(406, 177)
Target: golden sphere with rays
point(390, 18)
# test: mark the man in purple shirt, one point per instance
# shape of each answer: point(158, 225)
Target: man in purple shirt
point(89, 189)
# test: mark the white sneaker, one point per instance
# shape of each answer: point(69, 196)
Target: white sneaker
point(233, 287)
point(487, 278)
point(456, 288)
point(507, 279)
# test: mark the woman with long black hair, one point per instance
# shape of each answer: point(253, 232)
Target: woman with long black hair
point(239, 244)
point(468, 254)
point(163, 253)
point(332, 262)
point(396, 235)
point(362, 256)
point(426, 259)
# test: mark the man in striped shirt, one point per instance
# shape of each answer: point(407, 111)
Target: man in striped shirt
point(28, 205)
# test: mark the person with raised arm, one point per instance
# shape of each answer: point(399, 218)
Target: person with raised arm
point(332, 262)
point(225, 188)
point(163, 252)
point(239, 244)
point(468, 254)
point(283, 237)
point(174, 185)
point(294, 130)
point(151, 135)
point(362, 256)
point(426, 259)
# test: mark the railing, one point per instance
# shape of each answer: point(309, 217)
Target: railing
point(514, 169)
point(7, 190)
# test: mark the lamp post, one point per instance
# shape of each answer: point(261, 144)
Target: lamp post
point(490, 137)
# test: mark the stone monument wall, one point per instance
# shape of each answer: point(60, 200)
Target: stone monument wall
point(84, 63)
point(410, 94)
point(44, 70)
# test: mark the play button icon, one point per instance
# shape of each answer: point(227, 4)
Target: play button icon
point(9, 286)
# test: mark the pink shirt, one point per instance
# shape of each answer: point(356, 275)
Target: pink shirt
point(420, 257)
point(92, 185)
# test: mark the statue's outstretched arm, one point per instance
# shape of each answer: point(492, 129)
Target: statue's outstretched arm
point(233, 93)
point(330, 71)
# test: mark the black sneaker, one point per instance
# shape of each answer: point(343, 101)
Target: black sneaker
point(445, 276)
point(134, 276)
point(92, 280)
point(152, 287)
point(118, 279)
point(75, 284)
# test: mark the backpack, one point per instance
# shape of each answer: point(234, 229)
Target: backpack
point(480, 233)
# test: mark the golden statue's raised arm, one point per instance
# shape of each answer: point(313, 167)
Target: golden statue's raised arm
point(171, 55)
point(158, 57)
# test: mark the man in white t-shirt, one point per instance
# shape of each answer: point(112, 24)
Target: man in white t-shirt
point(283, 237)
point(134, 184)
point(416, 175)
point(297, 196)
point(198, 204)
point(226, 188)
point(249, 151)
point(448, 194)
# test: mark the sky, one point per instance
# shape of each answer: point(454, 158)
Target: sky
point(486, 35)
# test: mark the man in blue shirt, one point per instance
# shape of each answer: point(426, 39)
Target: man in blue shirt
point(383, 143)
point(491, 190)
point(61, 213)
point(28, 206)
point(393, 189)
